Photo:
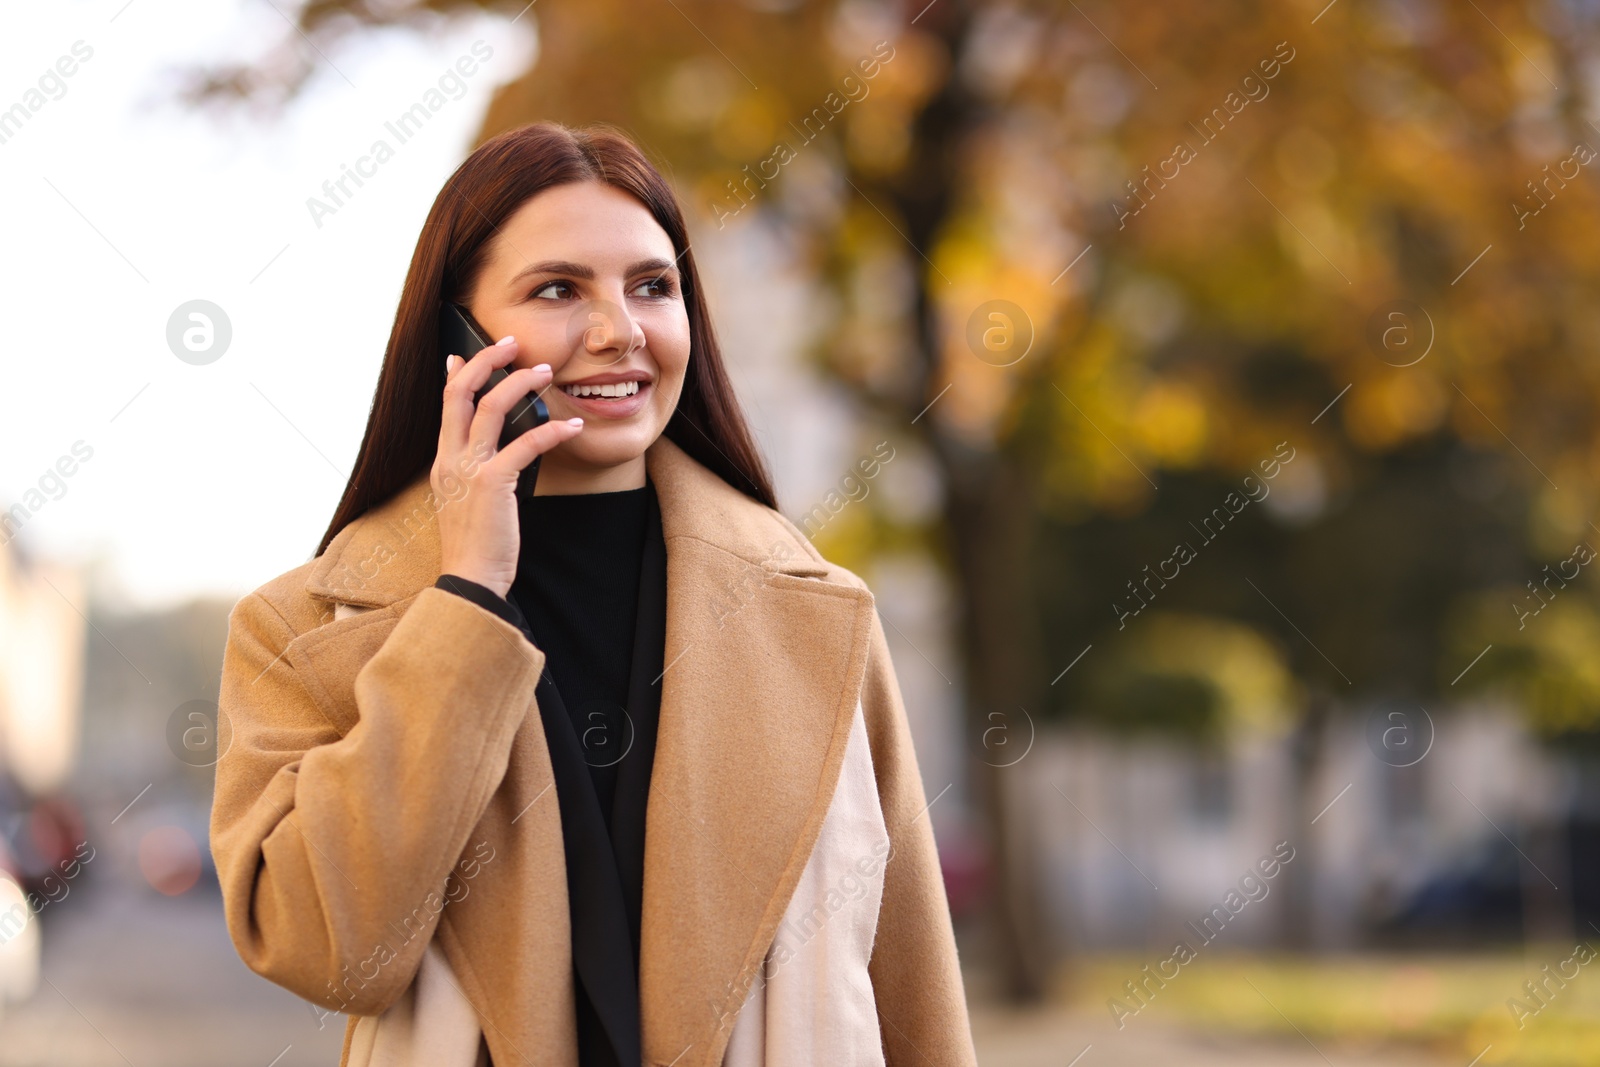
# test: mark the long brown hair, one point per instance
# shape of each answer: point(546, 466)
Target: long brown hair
point(494, 181)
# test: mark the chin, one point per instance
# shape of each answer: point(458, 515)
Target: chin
point(616, 449)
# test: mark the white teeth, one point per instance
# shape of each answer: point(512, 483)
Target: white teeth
point(620, 389)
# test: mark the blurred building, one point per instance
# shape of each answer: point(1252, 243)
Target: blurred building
point(42, 637)
point(1139, 842)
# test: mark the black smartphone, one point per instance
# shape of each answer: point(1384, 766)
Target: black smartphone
point(460, 335)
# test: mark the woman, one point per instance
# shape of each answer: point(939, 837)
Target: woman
point(615, 772)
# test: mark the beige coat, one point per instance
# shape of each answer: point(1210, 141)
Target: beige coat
point(388, 840)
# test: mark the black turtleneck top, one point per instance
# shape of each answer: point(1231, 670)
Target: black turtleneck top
point(580, 593)
point(590, 592)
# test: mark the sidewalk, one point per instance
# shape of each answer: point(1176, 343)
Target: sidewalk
point(142, 980)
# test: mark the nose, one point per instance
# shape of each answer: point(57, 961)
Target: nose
point(609, 333)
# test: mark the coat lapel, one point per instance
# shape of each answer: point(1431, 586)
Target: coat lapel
point(765, 652)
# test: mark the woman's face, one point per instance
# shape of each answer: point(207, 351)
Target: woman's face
point(587, 281)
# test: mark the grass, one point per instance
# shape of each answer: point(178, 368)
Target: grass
point(1455, 1006)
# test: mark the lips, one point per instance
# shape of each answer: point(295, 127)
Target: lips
point(613, 396)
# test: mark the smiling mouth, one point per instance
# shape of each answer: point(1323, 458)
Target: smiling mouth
point(616, 391)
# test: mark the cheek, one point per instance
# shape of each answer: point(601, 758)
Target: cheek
point(669, 346)
point(539, 340)
point(670, 341)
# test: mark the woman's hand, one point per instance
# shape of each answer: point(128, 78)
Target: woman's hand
point(478, 534)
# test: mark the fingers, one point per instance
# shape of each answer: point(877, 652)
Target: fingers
point(461, 385)
point(521, 451)
point(508, 395)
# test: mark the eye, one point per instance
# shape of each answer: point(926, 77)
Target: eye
point(660, 287)
point(544, 291)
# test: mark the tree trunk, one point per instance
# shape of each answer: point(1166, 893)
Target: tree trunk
point(1306, 747)
point(1549, 906)
point(988, 512)
point(989, 519)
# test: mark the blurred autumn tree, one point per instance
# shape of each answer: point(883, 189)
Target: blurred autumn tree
point(1200, 217)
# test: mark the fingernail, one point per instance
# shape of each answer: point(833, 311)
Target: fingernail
point(507, 339)
point(542, 366)
point(449, 365)
point(575, 422)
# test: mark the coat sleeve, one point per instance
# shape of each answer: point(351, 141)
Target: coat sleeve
point(333, 851)
point(922, 1008)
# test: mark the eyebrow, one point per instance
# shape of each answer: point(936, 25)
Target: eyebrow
point(579, 270)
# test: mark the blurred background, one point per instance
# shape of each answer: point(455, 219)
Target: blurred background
point(1230, 372)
